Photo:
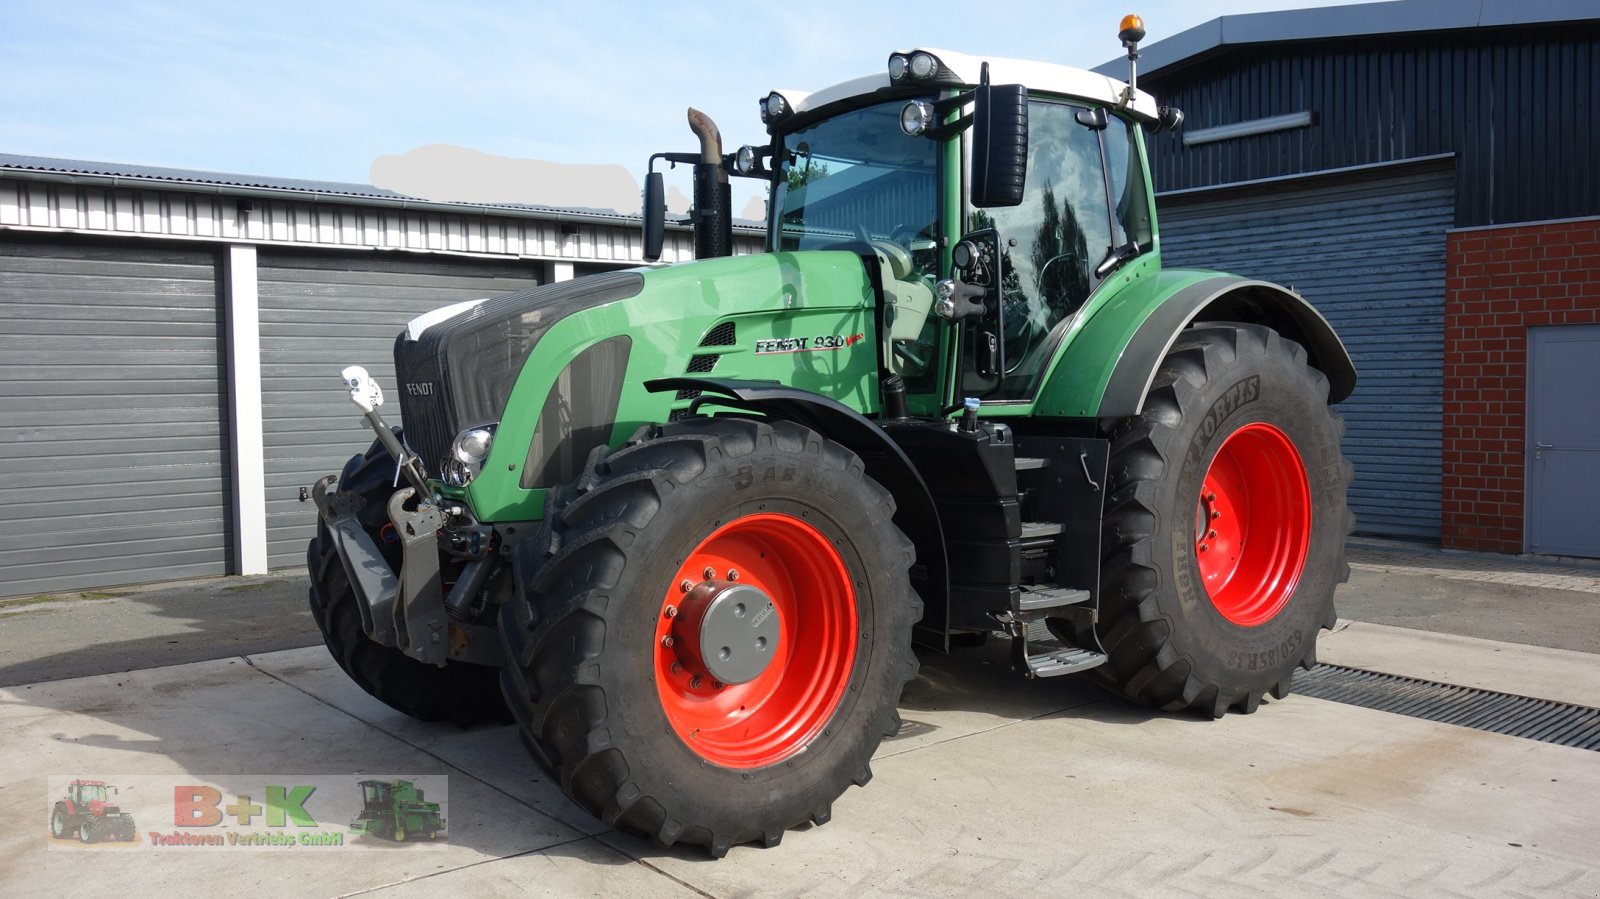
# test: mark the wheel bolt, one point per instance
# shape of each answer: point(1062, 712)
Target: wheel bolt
point(685, 585)
point(1211, 535)
point(670, 611)
point(733, 574)
point(1204, 547)
point(677, 668)
point(666, 642)
point(1215, 514)
point(718, 685)
point(1211, 497)
point(694, 682)
point(710, 572)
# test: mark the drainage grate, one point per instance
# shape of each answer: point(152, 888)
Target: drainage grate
point(1546, 720)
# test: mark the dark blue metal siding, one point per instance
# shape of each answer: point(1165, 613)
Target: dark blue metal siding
point(1520, 107)
point(1368, 250)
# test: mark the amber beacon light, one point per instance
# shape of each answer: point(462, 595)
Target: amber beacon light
point(1132, 29)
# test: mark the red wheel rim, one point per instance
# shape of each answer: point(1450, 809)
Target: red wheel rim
point(776, 715)
point(1253, 524)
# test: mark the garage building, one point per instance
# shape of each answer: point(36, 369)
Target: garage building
point(170, 342)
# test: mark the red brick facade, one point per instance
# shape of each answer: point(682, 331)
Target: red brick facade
point(1501, 281)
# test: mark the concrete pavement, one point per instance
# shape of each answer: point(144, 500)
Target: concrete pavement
point(996, 786)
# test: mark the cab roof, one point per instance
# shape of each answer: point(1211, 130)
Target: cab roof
point(1041, 77)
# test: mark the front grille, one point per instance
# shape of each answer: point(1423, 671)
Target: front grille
point(699, 365)
point(460, 372)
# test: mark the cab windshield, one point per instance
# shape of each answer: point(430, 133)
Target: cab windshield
point(857, 176)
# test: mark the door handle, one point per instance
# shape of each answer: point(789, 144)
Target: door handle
point(1539, 448)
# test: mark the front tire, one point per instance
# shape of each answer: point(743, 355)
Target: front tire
point(622, 702)
point(460, 692)
point(60, 827)
point(1225, 524)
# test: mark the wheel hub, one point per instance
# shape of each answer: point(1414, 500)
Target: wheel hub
point(727, 630)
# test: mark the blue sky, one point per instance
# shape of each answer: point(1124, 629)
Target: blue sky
point(319, 90)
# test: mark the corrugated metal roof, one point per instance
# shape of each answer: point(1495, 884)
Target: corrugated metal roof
point(149, 175)
point(1332, 22)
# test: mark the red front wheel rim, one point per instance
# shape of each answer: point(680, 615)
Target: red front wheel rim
point(1253, 524)
point(783, 709)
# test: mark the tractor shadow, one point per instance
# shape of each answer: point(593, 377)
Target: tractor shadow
point(975, 687)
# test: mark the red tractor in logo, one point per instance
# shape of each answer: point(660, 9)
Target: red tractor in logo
point(87, 813)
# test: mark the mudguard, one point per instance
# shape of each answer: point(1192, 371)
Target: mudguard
point(1224, 298)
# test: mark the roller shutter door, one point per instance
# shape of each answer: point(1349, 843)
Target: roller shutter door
point(320, 313)
point(113, 439)
point(1369, 251)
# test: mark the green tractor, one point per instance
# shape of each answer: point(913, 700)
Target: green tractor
point(684, 524)
point(396, 810)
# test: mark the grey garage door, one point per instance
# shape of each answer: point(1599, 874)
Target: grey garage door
point(320, 313)
point(113, 445)
point(1369, 251)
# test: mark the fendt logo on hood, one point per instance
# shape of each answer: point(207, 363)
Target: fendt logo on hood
point(817, 344)
point(424, 388)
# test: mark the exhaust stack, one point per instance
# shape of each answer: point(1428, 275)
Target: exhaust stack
point(713, 201)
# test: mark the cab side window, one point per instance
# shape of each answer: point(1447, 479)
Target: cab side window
point(1054, 239)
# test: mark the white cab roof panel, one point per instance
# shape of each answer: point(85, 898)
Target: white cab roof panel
point(1040, 77)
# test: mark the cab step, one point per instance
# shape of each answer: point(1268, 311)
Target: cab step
point(1049, 597)
point(1037, 653)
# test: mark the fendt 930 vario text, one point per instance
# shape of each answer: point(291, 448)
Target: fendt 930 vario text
point(684, 524)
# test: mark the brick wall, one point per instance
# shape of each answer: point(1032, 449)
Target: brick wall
point(1501, 281)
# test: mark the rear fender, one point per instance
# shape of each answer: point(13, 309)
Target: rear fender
point(888, 464)
point(1223, 298)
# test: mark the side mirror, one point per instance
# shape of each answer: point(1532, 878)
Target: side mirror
point(655, 216)
point(999, 144)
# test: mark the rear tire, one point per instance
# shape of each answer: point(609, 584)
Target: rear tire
point(616, 712)
point(460, 692)
point(1225, 524)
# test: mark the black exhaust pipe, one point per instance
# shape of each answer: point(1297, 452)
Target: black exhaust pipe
point(713, 201)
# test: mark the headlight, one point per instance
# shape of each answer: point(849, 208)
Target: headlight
point(923, 65)
point(467, 454)
point(915, 117)
point(745, 162)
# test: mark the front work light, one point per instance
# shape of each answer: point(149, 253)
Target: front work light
point(773, 107)
point(919, 66)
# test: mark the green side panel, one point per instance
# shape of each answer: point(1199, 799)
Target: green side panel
point(805, 319)
point(1076, 380)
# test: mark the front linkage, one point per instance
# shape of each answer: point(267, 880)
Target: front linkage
point(410, 612)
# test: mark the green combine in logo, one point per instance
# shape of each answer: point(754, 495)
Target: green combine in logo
point(395, 810)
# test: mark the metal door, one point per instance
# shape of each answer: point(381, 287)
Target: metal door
point(1563, 441)
point(1368, 250)
point(319, 313)
point(113, 438)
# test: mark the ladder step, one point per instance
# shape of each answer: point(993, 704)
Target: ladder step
point(1066, 660)
point(1040, 528)
point(1049, 596)
point(1028, 463)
